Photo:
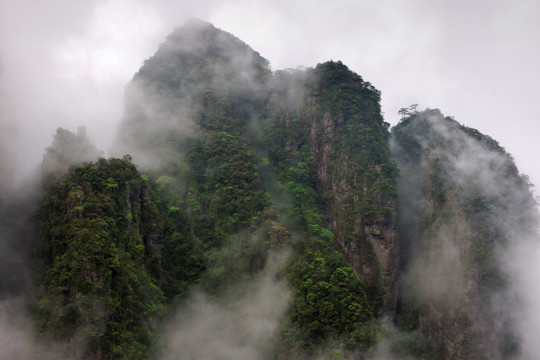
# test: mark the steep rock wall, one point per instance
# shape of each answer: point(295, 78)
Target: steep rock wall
point(348, 140)
point(328, 121)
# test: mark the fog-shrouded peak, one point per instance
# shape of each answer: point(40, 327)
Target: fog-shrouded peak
point(197, 68)
point(464, 208)
point(198, 52)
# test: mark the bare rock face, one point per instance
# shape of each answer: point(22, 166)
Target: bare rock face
point(371, 248)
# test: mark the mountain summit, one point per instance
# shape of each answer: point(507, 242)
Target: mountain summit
point(196, 64)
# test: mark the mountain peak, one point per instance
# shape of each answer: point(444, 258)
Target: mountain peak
point(202, 38)
point(198, 50)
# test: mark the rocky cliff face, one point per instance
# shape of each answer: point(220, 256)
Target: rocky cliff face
point(340, 120)
point(463, 204)
point(348, 140)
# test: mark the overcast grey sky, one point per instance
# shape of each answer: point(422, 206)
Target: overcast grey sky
point(65, 63)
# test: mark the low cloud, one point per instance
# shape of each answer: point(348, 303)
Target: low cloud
point(16, 340)
point(239, 327)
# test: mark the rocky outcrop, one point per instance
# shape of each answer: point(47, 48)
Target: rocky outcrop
point(336, 115)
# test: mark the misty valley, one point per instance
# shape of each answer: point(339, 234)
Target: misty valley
point(246, 213)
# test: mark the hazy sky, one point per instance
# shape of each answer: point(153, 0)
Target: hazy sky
point(65, 63)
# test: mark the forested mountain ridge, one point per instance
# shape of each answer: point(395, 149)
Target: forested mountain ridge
point(233, 181)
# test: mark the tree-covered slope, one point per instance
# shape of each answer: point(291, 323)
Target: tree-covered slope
point(100, 235)
point(463, 205)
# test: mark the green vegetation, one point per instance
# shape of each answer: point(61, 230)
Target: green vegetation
point(99, 236)
point(332, 307)
point(360, 140)
point(330, 302)
point(206, 179)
